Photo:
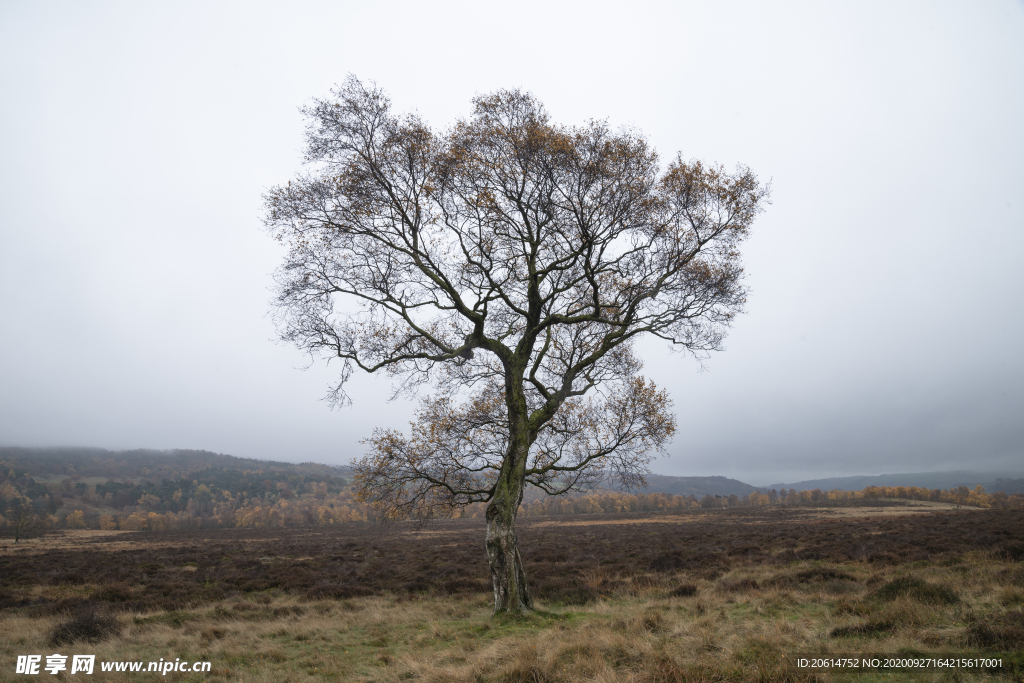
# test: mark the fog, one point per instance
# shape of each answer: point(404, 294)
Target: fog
point(884, 326)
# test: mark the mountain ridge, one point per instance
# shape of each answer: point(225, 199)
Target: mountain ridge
point(931, 480)
point(56, 462)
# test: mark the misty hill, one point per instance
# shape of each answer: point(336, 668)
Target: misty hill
point(1006, 486)
point(58, 463)
point(92, 488)
point(697, 486)
point(222, 470)
point(932, 480)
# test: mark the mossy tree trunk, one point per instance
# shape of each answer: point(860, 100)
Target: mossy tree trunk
point(511, 591)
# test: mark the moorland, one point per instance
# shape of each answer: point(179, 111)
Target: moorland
point(715, 594)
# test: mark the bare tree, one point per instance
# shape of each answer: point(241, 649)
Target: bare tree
point(510, 264)
point(22, 521)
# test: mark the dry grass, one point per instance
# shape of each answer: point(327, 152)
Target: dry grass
point(734, 628)
point(721, 597)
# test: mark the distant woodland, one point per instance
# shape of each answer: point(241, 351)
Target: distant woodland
point(158, 490)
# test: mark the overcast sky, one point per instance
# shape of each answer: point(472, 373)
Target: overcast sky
point(884, 331)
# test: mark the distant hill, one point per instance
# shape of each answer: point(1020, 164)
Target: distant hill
point(1006, 486)
point(57, 463)
point(932, 480)
point(139, 464)
point(152, 490)
point(153, 465)
point(697, 486)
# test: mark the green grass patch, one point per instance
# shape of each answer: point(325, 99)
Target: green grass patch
point(918, 590)
point(176, 619)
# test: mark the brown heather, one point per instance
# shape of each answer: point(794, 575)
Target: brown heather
point(711, 595)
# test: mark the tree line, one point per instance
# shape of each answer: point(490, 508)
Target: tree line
point(221, 498)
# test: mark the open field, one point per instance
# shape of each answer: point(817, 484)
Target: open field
point(707, 595)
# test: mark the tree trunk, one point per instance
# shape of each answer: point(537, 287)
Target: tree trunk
point(511, 592)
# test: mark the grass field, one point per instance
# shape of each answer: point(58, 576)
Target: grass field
point(724, 595)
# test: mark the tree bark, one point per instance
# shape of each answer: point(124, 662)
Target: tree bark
point(511, 591)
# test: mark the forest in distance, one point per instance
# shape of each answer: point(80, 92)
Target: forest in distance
point(154, 491)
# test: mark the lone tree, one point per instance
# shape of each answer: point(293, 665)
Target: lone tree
point(22, 521)
point(509, 263)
